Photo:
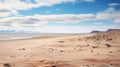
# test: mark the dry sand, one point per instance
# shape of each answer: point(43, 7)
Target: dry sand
point(87, 50)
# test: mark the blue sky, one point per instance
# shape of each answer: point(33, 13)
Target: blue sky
point(70, 8)
point(59, 16)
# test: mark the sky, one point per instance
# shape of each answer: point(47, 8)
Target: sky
point(59, 16)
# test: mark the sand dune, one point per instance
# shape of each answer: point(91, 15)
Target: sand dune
point(86, 50)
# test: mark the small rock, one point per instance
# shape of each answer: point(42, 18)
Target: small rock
point(61, 51)
point(7, 65)
point(53, 66)
point(108, 45)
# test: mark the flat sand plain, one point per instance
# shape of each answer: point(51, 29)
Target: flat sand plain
point(85, 50)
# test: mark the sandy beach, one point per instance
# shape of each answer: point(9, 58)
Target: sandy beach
point(85, 50)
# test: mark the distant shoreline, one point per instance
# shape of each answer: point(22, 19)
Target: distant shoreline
point(34, 36)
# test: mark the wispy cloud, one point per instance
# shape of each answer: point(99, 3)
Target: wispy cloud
point(15, 5)
point(87, 0)
point(113, 4)
point(109, 14)
point(28, 4)
point(11, 7)
point(7, 12)
point(98, 23)
point(58, 18)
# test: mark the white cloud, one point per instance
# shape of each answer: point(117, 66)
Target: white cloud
point(58, 18)
point(109, 14)
point(98, 23)
point(65, 18)
point(113, 4)
point(38, 22)
point(7, 12)
point(88, 0)
point(117, 20)
point(11, 7)
point(28, 4)
point(19, 22)
point(15, 5)
point(60, 29)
